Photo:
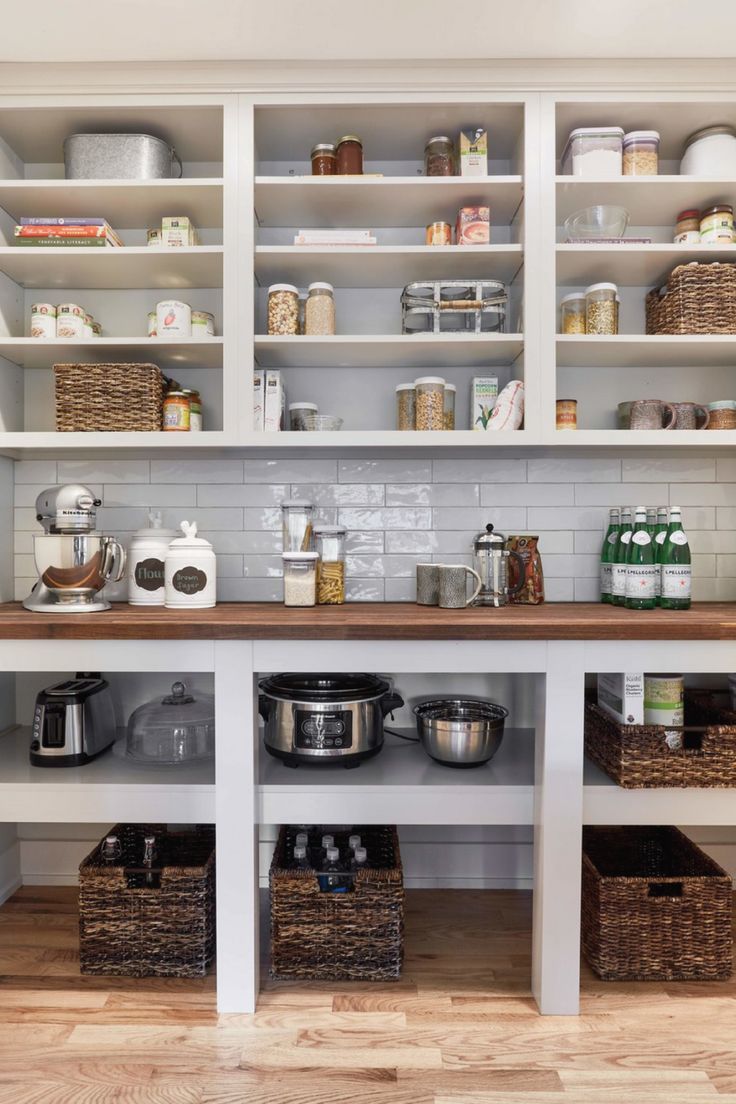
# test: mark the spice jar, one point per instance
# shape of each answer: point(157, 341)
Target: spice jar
point(195, 409)
point(430, 402)
point(350, 156)
point(687, 227)
point(406, 406)
point(448, 412)
point(439, 157)
point(324, 159)
point(722, 414)
point(177, 412)
point(300, 578)
point(283, 309)
point(296, 525)
point(330, 544)
point(190, 570)
point(601, 309)
point(716, 225)
point(319, 310)
point(298, 415)
point(641, 153)
point(572, 313)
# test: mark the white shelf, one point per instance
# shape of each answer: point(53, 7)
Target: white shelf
point(399, 350)
point(402, 785)
point(604, 802)
point(388, 201)
point(386, 265)
point(650, 200)
point(18, 444)
point(33, 352)
point(124, 203)
point(641, 350)
point(635, 265)
point(124, 267)
point(107, 789)
point(390, 439)
point(658, 438)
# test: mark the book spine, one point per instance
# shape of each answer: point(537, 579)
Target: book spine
point(75, 243)
point(61, 231)
point(47, 221)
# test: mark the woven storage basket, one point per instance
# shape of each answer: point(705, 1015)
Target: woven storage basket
point(700, 299)
point(654, 907)
point(108, 398)
point(168, 929)
point(640, 756)
point(358, 935)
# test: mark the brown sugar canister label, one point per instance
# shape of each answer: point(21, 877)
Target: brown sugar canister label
point(149, 574)
point(189, 580)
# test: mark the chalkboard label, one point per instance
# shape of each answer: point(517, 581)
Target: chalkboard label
point(189, 580)
point(149, 574)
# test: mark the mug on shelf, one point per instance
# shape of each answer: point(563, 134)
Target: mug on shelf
point(651, 414)
point(454, 586)
point(428, 584)
point(689, 414)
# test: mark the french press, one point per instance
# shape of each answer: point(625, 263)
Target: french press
point(491, 561)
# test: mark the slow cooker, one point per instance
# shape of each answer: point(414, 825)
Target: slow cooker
point(325, 719)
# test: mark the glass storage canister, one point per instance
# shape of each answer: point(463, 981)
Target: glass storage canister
point(300, 578)
point(687, 227)
point(350, 155)
point(179, 728)
point(430, 403)
point(641, 153)
point(319, 310)
point(572, 313)
point(439, 156)
point(330, 543)
point(324, 159)
point(296, 524)
point(716, 225)
point(448, 412)
point(406, 406)
point(601, 309)
point(595, 152)
point(297, 415)
point(283, 310)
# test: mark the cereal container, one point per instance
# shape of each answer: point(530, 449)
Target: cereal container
point(190, 570)
point(406, 406)
point(43, 320)
point(173, 319)
point(641, 153)
point(601, 309)
point(572, 313)
point(430, 403)
point(283, 310)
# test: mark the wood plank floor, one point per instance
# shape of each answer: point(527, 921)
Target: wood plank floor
point(459, 1028)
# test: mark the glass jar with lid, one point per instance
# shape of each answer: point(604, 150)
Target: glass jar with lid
point(430, 403)
point(572, 313)
point(324, 159)
point(296, 525)
point(716, 225)
point(330, 543)
point(448, 413)
point(687, 227)
point(300, 578)
point(350, 155)
point(283, 310)
point(641, 153)
point(299, 413)
point(319, 310)
point(178, 728)
point(406, 406)
point(439, 156)
point(601, 309)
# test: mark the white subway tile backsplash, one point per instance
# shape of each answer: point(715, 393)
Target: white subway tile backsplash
point(725, 518)
point(571, 567)
point(250, 590)
point(502, 470)
point(725, 469)
point(622, 494)
point(559, 590)
point(717, 540)
point(35, 471)
point(358, 543)
point(265, 543)
point(421, 543)
point(699, 517)
point(587, 590)
point(683, 469)
point(527, 494)
point(229, 567)
point(574, 470)
point(725, 565)
point(575, 517)
point(196, 471)
point(149, 494)
point(384, 471)
point(290, 470)
point(509, 518)
point(364, 590)
point(104, 471)
point(341, 494)
point(243, 494)
point(25, 518)
point(22, 542)
point(432, 494)
point(25, 566)
point(263, 567)
point(589, 540)
point(703, 494)
point(394, 517)
point(400, 590)
point(380, 567)
point(714, 590)
point(704, 566)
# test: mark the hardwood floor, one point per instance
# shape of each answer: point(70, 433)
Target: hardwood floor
point(459, 1028)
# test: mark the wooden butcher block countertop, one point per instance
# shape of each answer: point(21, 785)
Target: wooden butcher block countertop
point(374, 621)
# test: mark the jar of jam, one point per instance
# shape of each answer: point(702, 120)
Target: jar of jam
point(687, 227)
point(324, 159)
point(177, 412)
point(439, 157)
point(350, 156)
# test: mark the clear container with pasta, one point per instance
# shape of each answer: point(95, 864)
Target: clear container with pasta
point(330, 544)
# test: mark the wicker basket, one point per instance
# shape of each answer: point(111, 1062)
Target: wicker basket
point(654, 907)
point(108, 398)
point(649, 756)
point(166, 929)
point(700, 299)
point(356, 935)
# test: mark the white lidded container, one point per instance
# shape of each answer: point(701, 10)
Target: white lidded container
point(173, 319)
point(190, 571)
point(146, 563)
point(710, 151)
point(594, 152)
point(300, 578)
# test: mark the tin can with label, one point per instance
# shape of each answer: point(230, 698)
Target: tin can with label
point(43, 320)
point(567, 414)
point(154, 237)
point(173, 319)
point(664, 700)
point(195, 410)
point(89, 326)
point(69, 321)
point(438, 233)
point(203, 324)
point(152, 318)
point(177, 412)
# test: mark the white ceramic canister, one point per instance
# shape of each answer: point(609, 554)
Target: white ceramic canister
point(69, 321)
point(203, 324)
point(190, 571)
point(173, 319)
point(664, 700)
point(43, 320)
point(146, 563)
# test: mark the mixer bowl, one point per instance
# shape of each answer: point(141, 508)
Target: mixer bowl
point(77, 565)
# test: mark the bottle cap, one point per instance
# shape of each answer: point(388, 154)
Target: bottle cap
point(327, 841)
point(354, 842)
point(300, 852)
point(332, 854)
point(361, 854)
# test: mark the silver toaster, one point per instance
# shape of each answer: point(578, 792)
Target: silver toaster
point(73, 722)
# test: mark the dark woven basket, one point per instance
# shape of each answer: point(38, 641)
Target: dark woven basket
point(166, 929)
point(654, 907)
point(108, 398)
point(642, 756)
point(358, 935)
point(700, 299)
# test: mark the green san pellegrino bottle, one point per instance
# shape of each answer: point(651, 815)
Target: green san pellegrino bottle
point(660, 533)
point(608, 552)
point(676, 567)
point(620, 556)
point(641, 568)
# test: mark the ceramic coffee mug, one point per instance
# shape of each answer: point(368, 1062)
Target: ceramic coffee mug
point(428, 584)
point(624, 415)
point(650, 414)
point(454, 586)
point(688, 415)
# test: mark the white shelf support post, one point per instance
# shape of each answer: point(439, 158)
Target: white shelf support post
point(558, 818)
point(237, 827)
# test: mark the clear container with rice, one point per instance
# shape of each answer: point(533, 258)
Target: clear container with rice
point(300, 578)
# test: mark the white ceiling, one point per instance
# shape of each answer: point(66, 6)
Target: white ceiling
point(308, 30)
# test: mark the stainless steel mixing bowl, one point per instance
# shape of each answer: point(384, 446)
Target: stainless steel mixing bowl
point(460, 732)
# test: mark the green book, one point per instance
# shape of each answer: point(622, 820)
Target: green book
point(75, 243)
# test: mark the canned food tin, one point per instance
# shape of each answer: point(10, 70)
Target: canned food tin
point(177, 412)
point(43, 320)
point(69, 320)
point(173, 319)
point(716, 225)
point(203, 324)
point(154, 237)
point(152, 323)
point(195, 410)
point(567, 414)
point(438, 233)
point(88, 326)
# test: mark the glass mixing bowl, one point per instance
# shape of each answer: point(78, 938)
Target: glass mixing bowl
point(602, 221)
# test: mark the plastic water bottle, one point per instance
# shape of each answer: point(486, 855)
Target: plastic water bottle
point(327, 841)
point(353, 842)
point(301, 862)
point(332, 879)
point(359, 859)
point(302, 839)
